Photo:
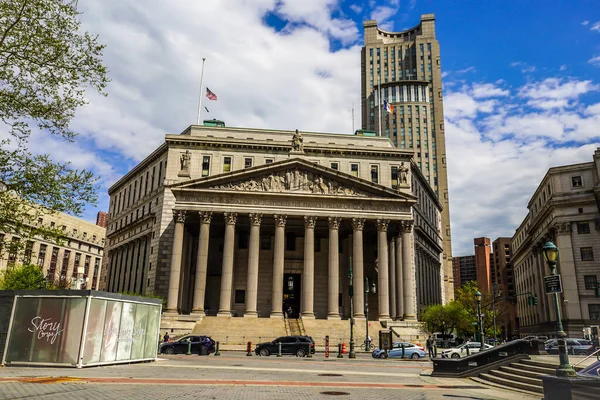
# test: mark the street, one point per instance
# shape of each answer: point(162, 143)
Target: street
point(233, 375)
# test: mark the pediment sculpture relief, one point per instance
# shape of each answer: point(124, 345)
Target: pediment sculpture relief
point(293, 180)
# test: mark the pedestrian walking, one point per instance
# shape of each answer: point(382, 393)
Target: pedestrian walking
point(429, 345)
point(166, 337)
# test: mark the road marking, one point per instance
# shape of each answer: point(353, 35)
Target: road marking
point(280, 370)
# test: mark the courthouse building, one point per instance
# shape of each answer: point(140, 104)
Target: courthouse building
point(253, 222)
point(565, 210)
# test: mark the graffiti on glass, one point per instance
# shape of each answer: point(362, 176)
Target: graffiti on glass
point(45, 328)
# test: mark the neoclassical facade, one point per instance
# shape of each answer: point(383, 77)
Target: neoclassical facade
point(254, 223)
point(565, 210)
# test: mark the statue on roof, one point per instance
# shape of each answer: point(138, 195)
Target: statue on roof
point(297, 142)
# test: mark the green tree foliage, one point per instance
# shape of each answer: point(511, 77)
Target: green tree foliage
point(22, 277)
point(442, 318)
point(465, 295)
point(46, 63)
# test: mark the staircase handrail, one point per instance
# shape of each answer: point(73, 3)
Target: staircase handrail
point(286, 324)
point(301, 326)
point(595, 353)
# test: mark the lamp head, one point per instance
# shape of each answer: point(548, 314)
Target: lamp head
point(373, 288)
point(478, 296)
point(550, 252)
point(290, 283)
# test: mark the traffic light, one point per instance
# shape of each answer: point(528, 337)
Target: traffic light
point(534, 300)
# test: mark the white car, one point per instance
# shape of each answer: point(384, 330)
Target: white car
point(461, 351)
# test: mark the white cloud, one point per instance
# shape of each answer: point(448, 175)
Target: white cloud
point(525, 68)
point(595, 27)
point(563, 67)
point(595, 61)
point(465, 70)
point(383, 13)
point(357, 9)
point(584, 23)
point(484, 90)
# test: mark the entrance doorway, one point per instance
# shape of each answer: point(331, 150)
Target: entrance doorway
point(291, 294)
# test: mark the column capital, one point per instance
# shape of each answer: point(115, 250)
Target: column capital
point(179, 216)
point(230, 218)
point(358, 223)
point(310, 221)
point(382, 225)
point(255, 219)
point(280, 219)
point(205, 216)
point(407, 226)
point(334, 222)
point(562, 228)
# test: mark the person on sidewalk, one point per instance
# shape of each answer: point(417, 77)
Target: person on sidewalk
point(429, 345)
point(166, 337)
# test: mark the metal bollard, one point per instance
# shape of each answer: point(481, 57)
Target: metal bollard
point(189, 352)
point(403, 350)
point(279, 350)
point(340, 351)
point(468, 350)
point(249, 349)
point(309, 354)
point(217, 353)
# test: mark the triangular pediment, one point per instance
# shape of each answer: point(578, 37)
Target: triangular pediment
point(293, 176)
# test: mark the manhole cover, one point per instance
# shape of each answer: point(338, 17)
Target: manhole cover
point(331, 375)
point(336, 393)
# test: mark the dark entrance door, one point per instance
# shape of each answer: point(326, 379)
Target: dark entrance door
point(291, 294)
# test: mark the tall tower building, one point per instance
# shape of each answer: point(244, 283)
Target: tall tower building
point(483, 264)
point(405, 68)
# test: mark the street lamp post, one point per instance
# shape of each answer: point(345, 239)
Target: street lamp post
point(479, 319)
point(494, 292)
point(368, 290)
point(564, 369)
point(351, 292)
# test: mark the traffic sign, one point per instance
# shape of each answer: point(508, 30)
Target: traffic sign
point(553, 284)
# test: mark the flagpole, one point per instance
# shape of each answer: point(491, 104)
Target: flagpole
point(352, 117)
point(379, 95)
point(200, 97)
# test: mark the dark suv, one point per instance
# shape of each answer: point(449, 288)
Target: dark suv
point(292, 345)
point(201, 345)
point(580, 347)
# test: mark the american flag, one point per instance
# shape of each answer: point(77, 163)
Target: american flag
point(210, 95)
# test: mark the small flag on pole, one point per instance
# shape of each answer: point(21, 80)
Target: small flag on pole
point(206, 109)
point(210, 95)
point(388, 107)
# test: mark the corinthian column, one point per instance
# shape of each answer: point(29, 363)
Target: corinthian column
point(201, 263)
point(408, 272)
point(392, 276)
point(227, 268)
point(399, 290)
point(358, 225)
point(308, 277)
point(278, 260)
point(253, 251)
point(382, 256)
point(177, 250)
point(333, 283)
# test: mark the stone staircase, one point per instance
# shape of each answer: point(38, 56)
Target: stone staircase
point(523, 376)
point(294, 327)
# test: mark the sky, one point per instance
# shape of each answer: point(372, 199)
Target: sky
point(521, 86)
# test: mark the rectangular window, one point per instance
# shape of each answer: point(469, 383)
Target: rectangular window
point(226, 164)
point(590, 282)
point(290, 241)
point(240, 296)
point(583, 228)
point(265, 242)
point(354, 169)
point(243, 240)
point(247, 162)
point(205, 165)
point(159, 173)
point(28, 251)
point(374, 174)
point(42, 255)
point(152, 179)
point(587, 254)
point(335, 166)
point(576, 181)
point(394, 177)
point(594, 310)
point(269, 161)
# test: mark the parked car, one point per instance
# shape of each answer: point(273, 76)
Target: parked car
point(410, 351)
point(291, 345)
point(378, 353)
point(461, 351)
point(444, 340)
point(202, 345)
point(580, 347)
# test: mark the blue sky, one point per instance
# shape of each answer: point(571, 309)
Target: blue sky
point(521, 85)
